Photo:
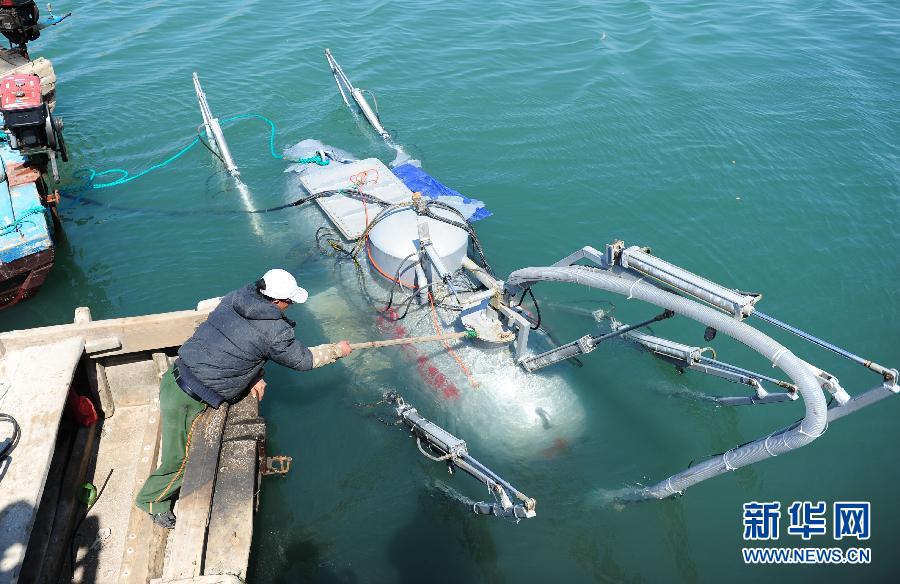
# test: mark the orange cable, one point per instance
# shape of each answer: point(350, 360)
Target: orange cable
point(372, 260)
point(450, 350)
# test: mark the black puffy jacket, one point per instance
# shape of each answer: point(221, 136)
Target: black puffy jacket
point(228, 351)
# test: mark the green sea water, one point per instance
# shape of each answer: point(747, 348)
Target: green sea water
point(755, 144)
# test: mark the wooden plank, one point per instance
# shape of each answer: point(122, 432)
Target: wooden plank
point(57, 559)
point(134, 333)
point(231, 519)
point(42, 530)
point(139, 552)
point(244, 421)
point(188, 542)
point(39, 380)
point(96, 375)
point(230, 530)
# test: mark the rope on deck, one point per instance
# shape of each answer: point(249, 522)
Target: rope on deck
point(23, 218)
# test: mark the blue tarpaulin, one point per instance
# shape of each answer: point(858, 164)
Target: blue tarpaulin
point(417, 179)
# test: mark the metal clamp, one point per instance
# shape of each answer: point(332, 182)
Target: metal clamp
point(271, 465)
point(890, 381)
point(276, 465)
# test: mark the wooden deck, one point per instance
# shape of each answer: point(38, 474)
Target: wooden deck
point(46, 534)
point(38, 415)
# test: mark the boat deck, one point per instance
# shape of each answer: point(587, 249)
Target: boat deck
point(46, 533)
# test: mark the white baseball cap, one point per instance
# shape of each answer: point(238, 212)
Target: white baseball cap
point(281, 285)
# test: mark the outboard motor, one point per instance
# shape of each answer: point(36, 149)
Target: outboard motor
point(19, 21)
point(27, 121)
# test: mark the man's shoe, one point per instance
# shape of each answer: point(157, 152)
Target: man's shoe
point(166, 520)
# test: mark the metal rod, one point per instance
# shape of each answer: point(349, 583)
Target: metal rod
point(746, 372)
point(468, 333)
point(337, 70)
point(204, 107)
point(499, 480)
point(860, 401)
point(339, 77)
point(214, 130)
point(883, 371)
point(584, 345)
point(661, 316)
point(369, 113)
point(733, 302)
point(723, 373)
point(754, 400)
point(690, 357)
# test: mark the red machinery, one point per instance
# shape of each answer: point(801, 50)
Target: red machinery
point(27, 121)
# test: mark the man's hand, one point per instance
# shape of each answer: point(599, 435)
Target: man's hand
point(259, 389)
point(344, 346)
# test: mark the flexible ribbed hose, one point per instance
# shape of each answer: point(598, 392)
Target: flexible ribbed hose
point(808, 429)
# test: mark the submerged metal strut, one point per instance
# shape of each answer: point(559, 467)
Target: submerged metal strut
point(345, 86)
point(584, 345)
point(220, 149)
point(214, 130)
point(453, 450)
point(688, 357)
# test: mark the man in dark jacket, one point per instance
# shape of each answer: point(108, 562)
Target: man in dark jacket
point(221, 361)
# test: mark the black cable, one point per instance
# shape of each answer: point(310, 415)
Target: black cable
point(465, 226)
point(207, 146)
point(297, 203)
point(537, 307)
point(14, 441)
point(397, 283)
point(407, 304)
point(74, 195)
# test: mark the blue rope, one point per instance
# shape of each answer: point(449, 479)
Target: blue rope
point(23, 218)
point(317, 159)
point(126, 177)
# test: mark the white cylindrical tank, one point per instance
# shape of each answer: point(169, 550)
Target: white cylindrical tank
point(396, 236)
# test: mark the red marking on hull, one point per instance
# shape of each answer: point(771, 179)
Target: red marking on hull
point(430, 374)
point(559, 446)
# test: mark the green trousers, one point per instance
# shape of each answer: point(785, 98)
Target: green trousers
point(178, 410)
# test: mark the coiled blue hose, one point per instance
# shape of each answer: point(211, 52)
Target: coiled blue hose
point(126, 177)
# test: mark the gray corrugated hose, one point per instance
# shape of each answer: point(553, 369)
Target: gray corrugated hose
point(800, 434)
